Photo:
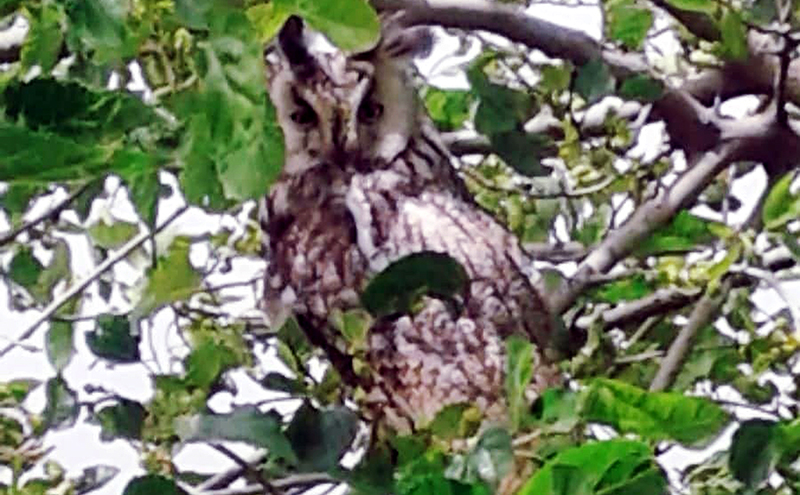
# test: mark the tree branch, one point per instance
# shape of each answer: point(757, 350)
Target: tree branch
point(703, 313)
point(59, 301)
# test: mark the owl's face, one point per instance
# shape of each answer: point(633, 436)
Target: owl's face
point(341, 112)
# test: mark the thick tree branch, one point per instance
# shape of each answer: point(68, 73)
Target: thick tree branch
point(703, 314)
point(59, 301)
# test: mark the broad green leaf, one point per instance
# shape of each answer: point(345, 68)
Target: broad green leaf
point(397, 288)
point(627, 23)
point(16, 198)
point(558, 409)
point(519, 371)
point(56, 271)
point(83, 202)
point(653, 415)
point(153, 484)
point(281, 383)
point(94, 478)
point(683, 233)
point(501, 109)
point(14, 392)
point(11, 433)
point(172, 280)
point(449, 109)
point(594, 81)
point(490, 460)
point(25, 268)
point(351, 25)
point(200, 180)
point(761, 12)
point(702, 6)
point(196, 14)
point(112, 339)
point(626, 289)
point(59, 344)
point(244, 424)
point(125, 419)
point(98, 27)
point(143, 188)
point(319, 438)
point(267, 19)
point(612, 467)
point(781, 206)
point(521, 151)
point(43, 41)
point(734, 36)
point(455, 421)
point(75, 111)
point(353, 325)
point(62, 408)
point(555, 78)
point(754, 451)
point(641, 88)
point(425, 474)
point(207, 362)
point(112, 236)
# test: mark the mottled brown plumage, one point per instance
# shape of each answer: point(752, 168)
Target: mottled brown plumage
point(366, 181)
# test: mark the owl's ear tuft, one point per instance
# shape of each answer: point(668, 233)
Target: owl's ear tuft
point(292, 45)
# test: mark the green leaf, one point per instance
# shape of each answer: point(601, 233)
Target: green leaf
point(94, 478)
point(641, 88)
point(143, 188)
point(396, 289)
point(75, 111)
point(558, 409)
point(501, 109)
point(153, 484)
point(112, 236)
point(62, 408)
point(59, 344)
point(244, 424)
point(354, 325)
point(455, 421)
point(521, 151)
point(17, 197)
point(172, 280)
point(25, 268)
point(754, 451)
point(781, 206)
point(449, 109)
point(98, 28)
point(702, 6)
point(45, 36)
point(555, 78)
point(281, 383)
point(267, 19)
point(56, 271)
point(83, 202)
point(626, 289)
point(14, 392)
point(519, 371)
point(490, 460)
point(320, 437)
point(594, 81)
point(352, 25)
point(683, 233)
point(627, 23)
point(207, 362)
point(734, 36)
point(125, 419)
point(112, 339)
point(653, 415)
point(612, 467)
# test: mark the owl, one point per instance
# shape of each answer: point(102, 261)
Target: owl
point(366, 181)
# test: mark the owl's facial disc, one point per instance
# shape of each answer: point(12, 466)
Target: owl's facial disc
point(346, 112)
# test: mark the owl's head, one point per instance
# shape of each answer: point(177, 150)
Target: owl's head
point(339, 110)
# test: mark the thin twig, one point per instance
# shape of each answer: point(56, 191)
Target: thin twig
point(52, 213)
point(128, 248)
point(703, 313)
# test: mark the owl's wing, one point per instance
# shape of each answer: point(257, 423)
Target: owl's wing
point(392, 222)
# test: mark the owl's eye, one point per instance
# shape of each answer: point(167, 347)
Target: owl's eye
point(370, 111)
point(304, 115)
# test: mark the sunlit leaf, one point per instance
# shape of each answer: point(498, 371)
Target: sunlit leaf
point(172, 280)
point(781, 206)
point(627, 23)
point(615, 466)
point(653, 415)
point(396, 288)
point(114, 235)
point(734, 36)
point(207, 362)
point(98, 27)
point(350, 24)
point(14, 392)
point(626, 289)
point(449, 109)
point(683, 233)
point(43, 42)
point(519, 371)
